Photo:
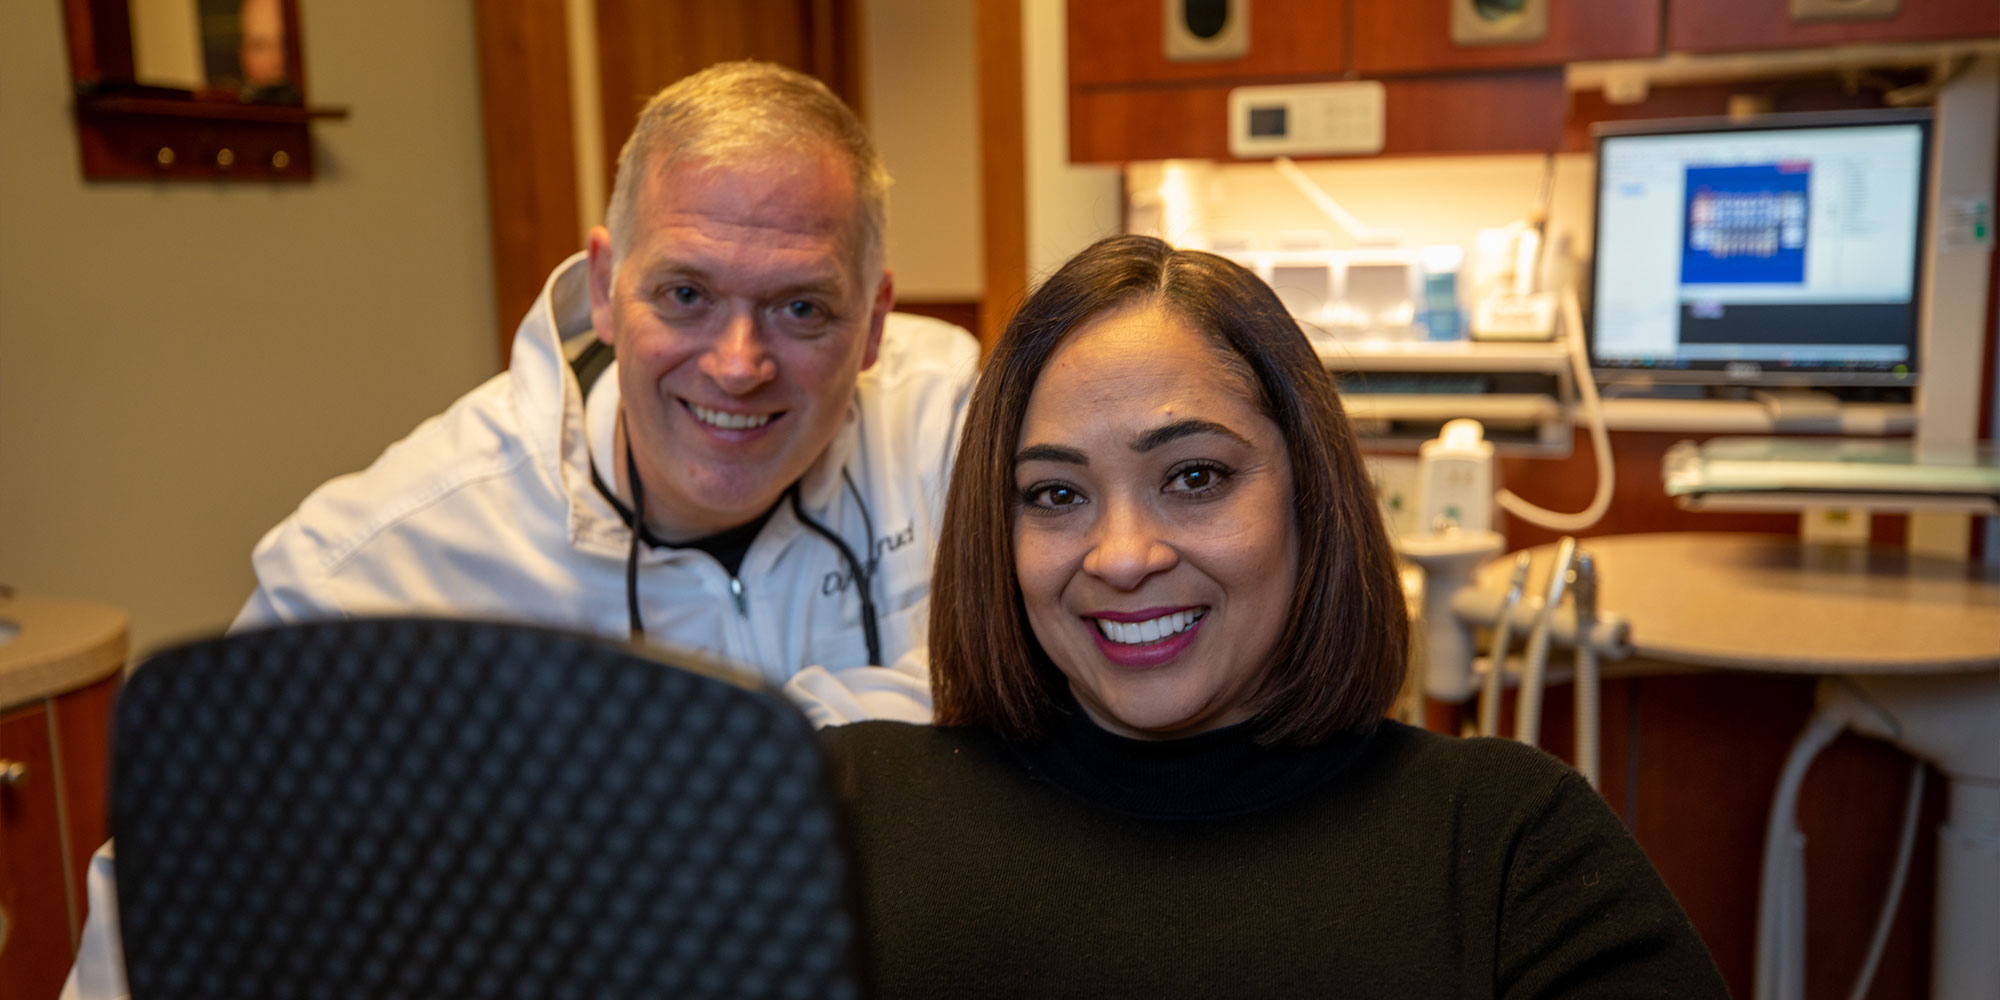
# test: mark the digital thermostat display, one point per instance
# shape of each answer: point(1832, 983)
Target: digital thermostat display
point(1317, 119)
point(1267, 121)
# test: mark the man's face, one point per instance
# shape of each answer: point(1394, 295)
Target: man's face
point(741, 317)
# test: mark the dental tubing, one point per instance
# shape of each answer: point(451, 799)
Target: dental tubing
point(1600, 439)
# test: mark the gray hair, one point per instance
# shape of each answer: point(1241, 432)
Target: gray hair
point(737, 112)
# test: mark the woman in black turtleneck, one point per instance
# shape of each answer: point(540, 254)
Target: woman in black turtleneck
point(1165, 625)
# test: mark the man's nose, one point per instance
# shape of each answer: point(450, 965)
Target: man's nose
point(1128, 546)
point(738, 360)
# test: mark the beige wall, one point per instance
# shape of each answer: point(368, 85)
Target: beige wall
point(1069, 206)
point(922, 103)
point(180, 364)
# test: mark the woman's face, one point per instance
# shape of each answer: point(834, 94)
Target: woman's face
point(1153, 531)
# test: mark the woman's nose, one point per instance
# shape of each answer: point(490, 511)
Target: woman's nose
point(1128, 547)
point(737, 360)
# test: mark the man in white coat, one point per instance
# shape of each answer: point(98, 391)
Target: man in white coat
point(712, 432)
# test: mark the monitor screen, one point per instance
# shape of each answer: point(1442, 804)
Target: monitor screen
point(1784, 250)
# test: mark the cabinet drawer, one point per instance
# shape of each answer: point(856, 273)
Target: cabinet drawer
point(1114, 42)
point(1749, 25)
point(1415, 36)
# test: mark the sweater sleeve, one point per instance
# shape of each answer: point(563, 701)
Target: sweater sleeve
point(1584, 914)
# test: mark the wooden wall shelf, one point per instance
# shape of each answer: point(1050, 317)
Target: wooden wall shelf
point(151, 138)
point(128, 130)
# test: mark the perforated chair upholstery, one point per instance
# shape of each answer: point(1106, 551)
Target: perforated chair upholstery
point(429, 808)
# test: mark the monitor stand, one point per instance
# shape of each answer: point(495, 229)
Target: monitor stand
point(1792, 406)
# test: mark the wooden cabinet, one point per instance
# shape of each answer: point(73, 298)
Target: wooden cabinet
point(1124, 41)
point(53, 764)
point(1415, 36)
point(59, 671)
point(34, 954)
point(1752, 25)
point(1129, 101)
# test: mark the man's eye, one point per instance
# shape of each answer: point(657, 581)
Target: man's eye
point(804, 309)
point(678, 296)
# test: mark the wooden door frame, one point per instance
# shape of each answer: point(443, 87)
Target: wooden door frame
point(1003, 165)
point(531, 182)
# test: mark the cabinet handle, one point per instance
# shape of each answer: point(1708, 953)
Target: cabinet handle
point(13, 773)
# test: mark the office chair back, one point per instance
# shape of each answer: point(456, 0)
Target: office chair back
point(432, 808)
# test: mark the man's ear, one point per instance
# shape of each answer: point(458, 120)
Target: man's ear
point(602, 272)
point(885, 300)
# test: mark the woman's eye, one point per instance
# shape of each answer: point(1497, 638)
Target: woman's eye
point(1051, 496)
point(1200, 478)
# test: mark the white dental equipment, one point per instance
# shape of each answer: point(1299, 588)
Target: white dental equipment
point(1944, 719)
point(1583, 593)
point(1600, 437)
point(1503, 634)
point(1534, 668)
point(1455, 479)
point(1508, 301)
point(1454, 605)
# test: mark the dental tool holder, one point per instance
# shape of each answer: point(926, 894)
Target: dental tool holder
point(1610, 635)
point(1454, 606)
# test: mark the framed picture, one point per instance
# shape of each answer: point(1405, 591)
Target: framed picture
point(246, 49)
point(191, 90)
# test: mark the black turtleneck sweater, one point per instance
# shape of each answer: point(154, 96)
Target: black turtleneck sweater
point(1402, 864)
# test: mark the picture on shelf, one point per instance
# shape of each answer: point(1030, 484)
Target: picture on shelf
point(244, 50)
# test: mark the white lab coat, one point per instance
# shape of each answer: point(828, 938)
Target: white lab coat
point(488, 511)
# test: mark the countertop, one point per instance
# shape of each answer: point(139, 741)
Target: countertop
point(49, 646)
point(1769, 603)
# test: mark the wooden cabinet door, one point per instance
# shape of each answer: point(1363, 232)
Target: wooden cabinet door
point(1113, 42)
point(1749, 25)
point(1414, 36)
point(35, 954)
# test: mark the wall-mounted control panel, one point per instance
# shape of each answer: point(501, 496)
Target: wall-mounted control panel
point(1317, 119)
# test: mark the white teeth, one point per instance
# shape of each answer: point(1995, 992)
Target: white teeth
point(1138, 633)
point(728, 421)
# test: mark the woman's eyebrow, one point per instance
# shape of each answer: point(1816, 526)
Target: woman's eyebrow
point(1050, 453)
point(1183, 428)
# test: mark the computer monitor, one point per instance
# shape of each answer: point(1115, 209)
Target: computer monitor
point(1782, 250)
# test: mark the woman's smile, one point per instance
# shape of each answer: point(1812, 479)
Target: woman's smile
point(1146, 640)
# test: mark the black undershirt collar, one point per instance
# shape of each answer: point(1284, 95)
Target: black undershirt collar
point(1208, 776)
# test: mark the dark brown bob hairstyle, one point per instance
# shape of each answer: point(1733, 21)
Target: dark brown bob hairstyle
point(1340, 662)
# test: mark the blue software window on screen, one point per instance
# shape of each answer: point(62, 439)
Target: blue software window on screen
point(1746, 224)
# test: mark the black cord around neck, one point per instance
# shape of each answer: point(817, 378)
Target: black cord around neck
point(594, 364)
point(863, 575)
point(638, 529)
